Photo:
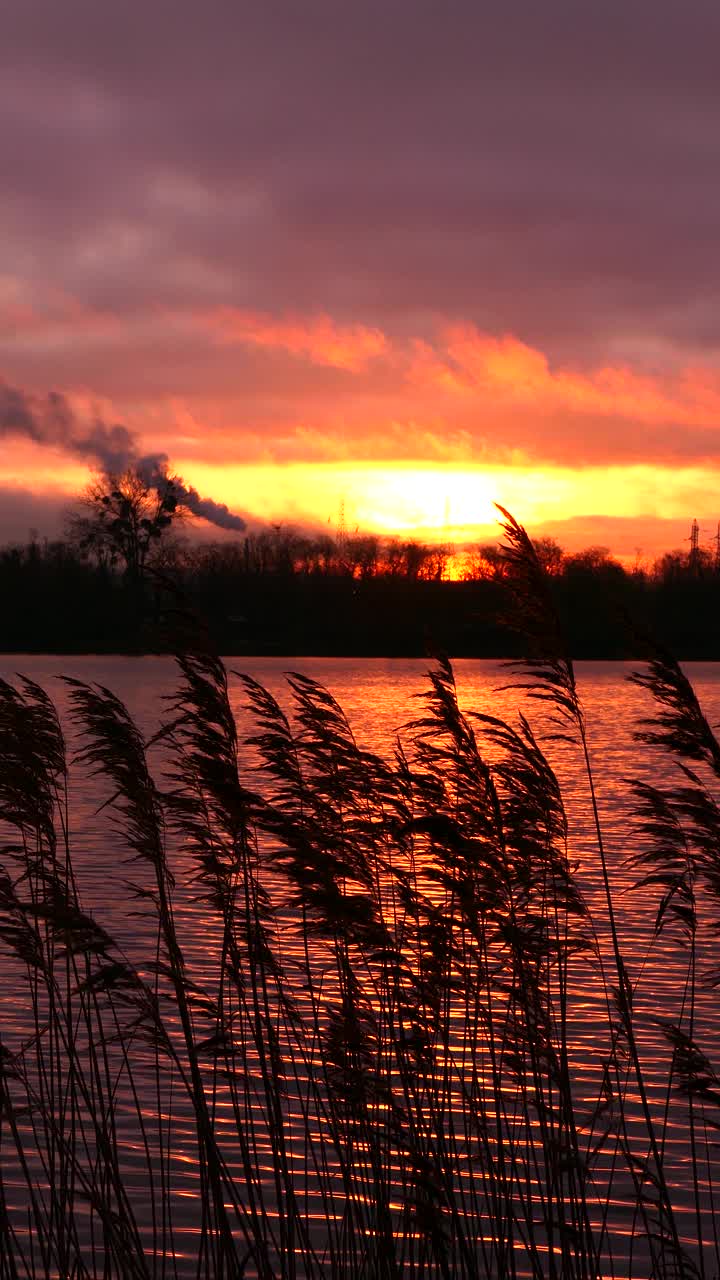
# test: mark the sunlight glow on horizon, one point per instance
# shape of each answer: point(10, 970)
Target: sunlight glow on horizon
point(435, 503)
point(448, 501)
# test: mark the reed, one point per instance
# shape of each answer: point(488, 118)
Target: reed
point(375, 1070)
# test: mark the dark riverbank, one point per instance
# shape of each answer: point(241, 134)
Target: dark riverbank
point(53, 602)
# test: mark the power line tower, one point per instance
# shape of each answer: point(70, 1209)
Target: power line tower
point(694, 545)
point(717, 547)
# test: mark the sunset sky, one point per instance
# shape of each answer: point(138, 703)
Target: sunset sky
point(409, 256)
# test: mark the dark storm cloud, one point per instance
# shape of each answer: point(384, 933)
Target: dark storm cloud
point(548, 169)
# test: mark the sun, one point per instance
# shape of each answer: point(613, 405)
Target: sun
point(435, 500)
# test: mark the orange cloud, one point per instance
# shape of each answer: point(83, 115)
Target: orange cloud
point(319, 338)
point(468, 362)
point(454, 395)
point(450, 377)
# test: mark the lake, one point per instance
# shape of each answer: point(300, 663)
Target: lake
point(379, 697)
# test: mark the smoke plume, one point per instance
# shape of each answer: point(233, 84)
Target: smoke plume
point(51, 420)
point(153, 471)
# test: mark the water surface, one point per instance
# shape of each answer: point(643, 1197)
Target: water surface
point(380, 697)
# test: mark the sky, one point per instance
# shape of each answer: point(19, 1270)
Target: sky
point(406, 257)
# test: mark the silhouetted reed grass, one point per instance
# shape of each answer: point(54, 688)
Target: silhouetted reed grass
point(380, 1078)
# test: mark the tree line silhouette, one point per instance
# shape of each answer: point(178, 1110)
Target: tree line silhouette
point(108, 584)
